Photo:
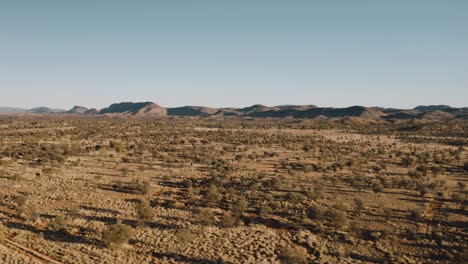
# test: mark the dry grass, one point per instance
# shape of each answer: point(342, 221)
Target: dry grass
point(203, 191)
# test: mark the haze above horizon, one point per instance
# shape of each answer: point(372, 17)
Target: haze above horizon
point(218, 54)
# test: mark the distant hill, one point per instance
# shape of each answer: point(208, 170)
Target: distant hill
point(348, 114)
point(135, 109)
point(78, 110)
point(355, 111)
point(432, 107)
point(46, 110)
point(36, 110)
point(6, 110)
point(191, 111)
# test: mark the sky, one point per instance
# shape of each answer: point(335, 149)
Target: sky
point(399, 53)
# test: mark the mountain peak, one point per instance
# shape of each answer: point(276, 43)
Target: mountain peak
point(78, 110)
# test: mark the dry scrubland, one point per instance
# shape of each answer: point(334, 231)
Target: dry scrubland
point(232, 191)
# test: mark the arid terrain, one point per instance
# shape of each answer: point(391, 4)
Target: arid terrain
point(89, 189)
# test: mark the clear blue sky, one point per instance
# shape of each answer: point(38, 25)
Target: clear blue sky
point(393, 53)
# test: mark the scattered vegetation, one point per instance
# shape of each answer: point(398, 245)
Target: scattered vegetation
point(206, 190)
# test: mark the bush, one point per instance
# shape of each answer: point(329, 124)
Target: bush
point(276, 183)
point(293, 255)
point(188, 183)
point(378, 188)
point(58, 224)
point(313, 193)
point(144, 210)
point(359, 205)
point(213, 196)
point(117, 234)
point(144, 187)
point(20, 200)
point(423, 191)
point(240, 207)
point(416, 214)
point(229, 220)
point(315, 213)
point(461, 185)
point(264, 210)
point(338, 219)
point(204, 216)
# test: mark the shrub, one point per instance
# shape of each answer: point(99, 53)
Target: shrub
point(315, 213)
point(20, 200)
point(240, 207)
point(117, 234)
point(264, 210)
point(359, 205)
point(229, 220)
point(213, 196)
point(58, 224)
point(188, 183)
point(293, 255)
point(276, 183)
point(416, 214)
point(461, 185)
point(423, 191)
point(313, 193)
point(378, 188)
point(144, 187)
point(190, 194)
point(144, 210)
point(338, 219)
point(204, 216)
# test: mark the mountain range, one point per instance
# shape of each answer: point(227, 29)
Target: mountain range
point(150, 109)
